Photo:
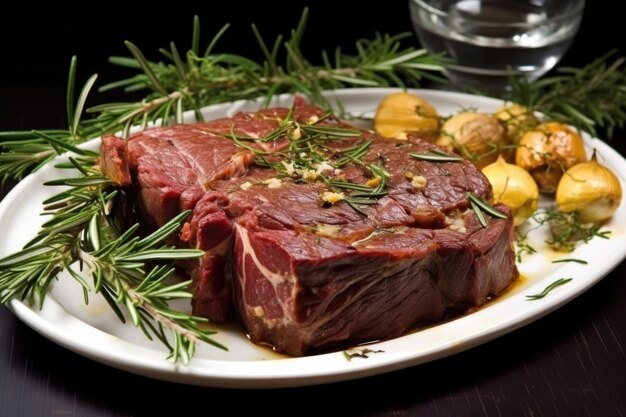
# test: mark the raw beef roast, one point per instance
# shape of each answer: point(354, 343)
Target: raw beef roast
point(292, 250)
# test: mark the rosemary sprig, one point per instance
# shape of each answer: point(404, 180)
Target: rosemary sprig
point(130, 272)
point(566, 233)
point(548, 289)
point(353, 155)
point(81, 237)
point(22, 152)
point(479, 206)
point(566, 230)
point(592, 97)
point(195, 79)
point(208, 78)
point(575, 260)
point(364, 194)
point(435, 156)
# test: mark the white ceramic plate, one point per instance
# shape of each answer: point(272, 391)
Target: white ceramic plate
point(94, 331)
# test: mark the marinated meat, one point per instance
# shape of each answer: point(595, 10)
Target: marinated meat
point(306, 275)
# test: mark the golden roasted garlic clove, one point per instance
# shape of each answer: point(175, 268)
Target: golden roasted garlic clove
point(515, 187)
point(478, 137)
point(402, 113)
point(517, 119)
point(548, 151)
point(591, 190)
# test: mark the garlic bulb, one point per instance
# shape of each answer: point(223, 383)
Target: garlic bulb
point(515, 187)
point(402, 113)
point(476, 136)
point(548, 151)
point(517, 119)
point(591, 190)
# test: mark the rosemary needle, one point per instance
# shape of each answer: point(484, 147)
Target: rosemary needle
point(565, 260)
point(548, 289)
point(436, 156)
point(479, 206)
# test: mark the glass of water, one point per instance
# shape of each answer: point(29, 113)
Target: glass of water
point(491, 40)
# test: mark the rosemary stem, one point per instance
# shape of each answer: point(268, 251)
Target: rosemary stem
point(168, 323)
point(88, 259)
point(40, 156)
point(158, 102)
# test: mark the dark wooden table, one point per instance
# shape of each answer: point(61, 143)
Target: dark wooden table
point(570, 363)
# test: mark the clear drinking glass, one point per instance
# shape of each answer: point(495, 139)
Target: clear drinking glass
point(490, 40)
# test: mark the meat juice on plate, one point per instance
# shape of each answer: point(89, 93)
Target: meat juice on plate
point(491, 39)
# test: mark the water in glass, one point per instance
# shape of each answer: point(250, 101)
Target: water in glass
point(490, 40)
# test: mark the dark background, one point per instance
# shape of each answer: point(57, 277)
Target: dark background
point(571, 363)
point(35, 50)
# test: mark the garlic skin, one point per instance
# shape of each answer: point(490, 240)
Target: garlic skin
point(402, 113)
point(591, 190)
point(517, 119)
point(515, 187)
point(548, 151)
point(476, 136)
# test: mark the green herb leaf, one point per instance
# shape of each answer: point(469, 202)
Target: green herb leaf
point(566, 230)
point(145, 66)
point(479, 205)
point(359, 353)
point(71, 81)
point(579, 261)
point(435, 156)
point(80, 231)
point(548, 289)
